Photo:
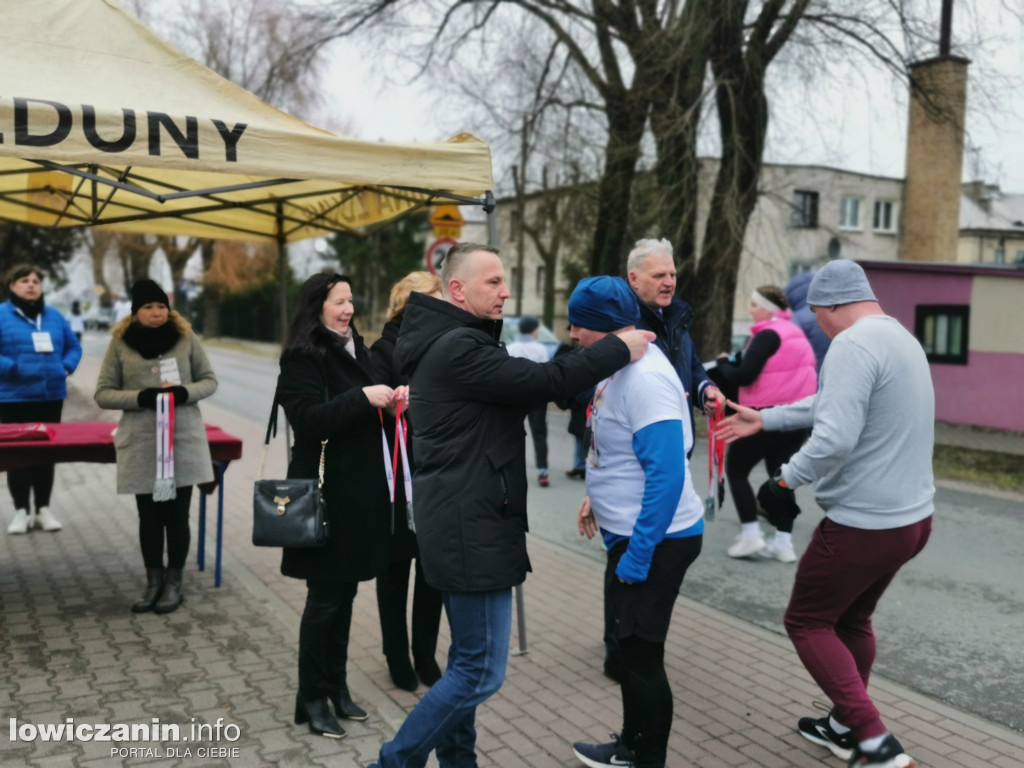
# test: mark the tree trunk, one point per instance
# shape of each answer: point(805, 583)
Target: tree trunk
point(211, 294)
point(743, 120)
point(626, 119)
point(676, 96)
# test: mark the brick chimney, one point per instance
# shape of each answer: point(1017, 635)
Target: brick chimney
point(935, 149)
point(935, 152)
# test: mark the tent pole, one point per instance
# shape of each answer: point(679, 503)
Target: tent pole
point(282, 293)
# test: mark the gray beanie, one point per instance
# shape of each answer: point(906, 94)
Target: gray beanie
point(839, 282)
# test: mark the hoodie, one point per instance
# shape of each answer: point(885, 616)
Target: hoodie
point(796, 294)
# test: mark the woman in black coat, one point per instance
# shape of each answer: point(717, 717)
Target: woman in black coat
point(393, 581)
point(327, 389)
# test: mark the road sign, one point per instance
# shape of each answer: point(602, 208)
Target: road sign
point(447, 221)
point(436, 253)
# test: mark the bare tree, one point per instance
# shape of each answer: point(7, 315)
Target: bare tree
point(99, 243)
point(267, 47)
point(664, 66)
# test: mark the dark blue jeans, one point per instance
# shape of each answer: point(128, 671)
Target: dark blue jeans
point(444, 720)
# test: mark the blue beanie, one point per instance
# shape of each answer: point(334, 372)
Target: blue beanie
point(603, 304)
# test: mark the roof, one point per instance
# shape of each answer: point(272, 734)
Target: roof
point(104, 123)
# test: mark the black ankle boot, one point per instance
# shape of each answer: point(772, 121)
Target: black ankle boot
point(319, 717)
point(171, 597)
point(154, 586)
point(402, 673)
point(344, 706)
point(428, 671)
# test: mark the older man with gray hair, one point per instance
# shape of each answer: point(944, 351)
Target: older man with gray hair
point(870, 459)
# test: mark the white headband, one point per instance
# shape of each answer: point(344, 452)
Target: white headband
point(764, 303)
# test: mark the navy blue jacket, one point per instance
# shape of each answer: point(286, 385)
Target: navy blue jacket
point(672, 327)
point(28, 376)
point(796, 292)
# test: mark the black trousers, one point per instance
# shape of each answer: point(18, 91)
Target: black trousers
point(641, 616)
point(164, 519)
point(538, 419)
point(323, 638)
point(775, 449)
point(392, 599)
point(23, 482)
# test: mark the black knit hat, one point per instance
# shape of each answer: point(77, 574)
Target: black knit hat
point(147, 292)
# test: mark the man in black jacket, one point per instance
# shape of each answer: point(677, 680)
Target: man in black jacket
point(467, 403)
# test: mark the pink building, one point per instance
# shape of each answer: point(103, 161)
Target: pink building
point(965, 317)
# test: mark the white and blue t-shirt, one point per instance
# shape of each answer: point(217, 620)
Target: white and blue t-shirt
point(638, 478)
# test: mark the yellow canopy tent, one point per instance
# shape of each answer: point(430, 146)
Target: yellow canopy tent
point(102, 123)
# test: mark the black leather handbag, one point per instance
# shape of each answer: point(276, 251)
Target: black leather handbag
point(288, 513)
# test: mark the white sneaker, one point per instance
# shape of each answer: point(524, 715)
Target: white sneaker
point(782, 552)
point(20, 522)
point(46, 520)
point(745, 546)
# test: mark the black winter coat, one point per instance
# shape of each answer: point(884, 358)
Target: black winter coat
point(401, 540)
point(468, 401)
point(323, 398)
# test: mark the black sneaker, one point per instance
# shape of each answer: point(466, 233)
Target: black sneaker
point(821, 732)
point(889, 755)
point(614, 754)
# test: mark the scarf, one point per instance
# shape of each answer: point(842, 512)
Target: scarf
point(163, 486)
point(152, 342)
point(30, 309)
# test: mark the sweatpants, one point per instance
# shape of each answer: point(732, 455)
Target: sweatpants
point(839, 581)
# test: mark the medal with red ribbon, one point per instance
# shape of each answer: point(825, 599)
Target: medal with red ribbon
point(716, 463)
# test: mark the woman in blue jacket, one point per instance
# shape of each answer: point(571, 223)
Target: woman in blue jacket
point(38, 352)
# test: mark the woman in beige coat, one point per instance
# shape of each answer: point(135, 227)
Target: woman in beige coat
point(154, 352)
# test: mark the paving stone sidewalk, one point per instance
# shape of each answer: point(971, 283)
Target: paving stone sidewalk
point(70, 648)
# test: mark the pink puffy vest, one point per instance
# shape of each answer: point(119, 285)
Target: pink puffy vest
point(789, 374)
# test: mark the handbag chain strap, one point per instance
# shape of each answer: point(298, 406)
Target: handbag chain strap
point(272, 429)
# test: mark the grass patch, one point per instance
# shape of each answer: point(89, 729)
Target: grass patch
point(1000, 470)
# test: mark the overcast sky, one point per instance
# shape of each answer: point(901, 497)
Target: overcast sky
point(859, 124)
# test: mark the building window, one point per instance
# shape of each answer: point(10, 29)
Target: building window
point(513, 225)
point(942, 331)
point(885, 216)
point(999, 255)
point(540, 281)
point(805, 209)
point(1020, 257)
point(515, 281)
point(849, 212)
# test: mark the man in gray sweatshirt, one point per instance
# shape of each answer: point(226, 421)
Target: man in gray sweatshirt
point(870, 459)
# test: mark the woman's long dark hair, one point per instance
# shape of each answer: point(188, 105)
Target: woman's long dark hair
point(306, 332)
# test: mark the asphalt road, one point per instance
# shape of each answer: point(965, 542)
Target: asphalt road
point(951, 625)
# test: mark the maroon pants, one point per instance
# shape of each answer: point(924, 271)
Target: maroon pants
point(838, 584)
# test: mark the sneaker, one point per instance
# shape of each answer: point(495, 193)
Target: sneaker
point(782, 553)
point(20, 522)
point(889, 755)
point(46, 520)
point(820, 731)
point(604, 755)
point(543, 479)
point(745, 546)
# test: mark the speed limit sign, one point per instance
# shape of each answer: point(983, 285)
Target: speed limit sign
point(436, 253)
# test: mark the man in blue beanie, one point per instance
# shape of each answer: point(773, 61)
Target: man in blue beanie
point(641, 498)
